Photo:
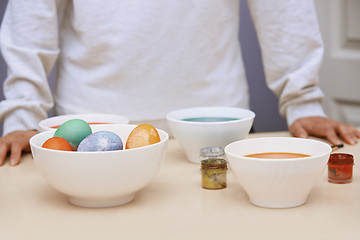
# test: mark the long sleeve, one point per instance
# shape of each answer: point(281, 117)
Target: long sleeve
point(292, 51)
point(140, 58)
point(29, 45)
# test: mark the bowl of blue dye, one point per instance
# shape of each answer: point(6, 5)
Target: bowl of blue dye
point(213, 126)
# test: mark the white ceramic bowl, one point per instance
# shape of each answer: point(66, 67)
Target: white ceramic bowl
point(99, 179)
point(278, 183)
point(193, 136)
point(53, 122)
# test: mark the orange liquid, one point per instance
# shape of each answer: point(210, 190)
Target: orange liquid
point(277, 155)
point(92, 123)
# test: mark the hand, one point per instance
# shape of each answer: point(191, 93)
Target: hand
point(323, 127)
point(15, 142)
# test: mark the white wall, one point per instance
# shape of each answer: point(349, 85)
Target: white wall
point(262, 101)
point(340, 71)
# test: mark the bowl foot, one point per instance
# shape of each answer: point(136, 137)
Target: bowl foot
point(101, 203)
point(278, 204)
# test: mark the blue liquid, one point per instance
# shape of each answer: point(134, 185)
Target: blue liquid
point(209, 119)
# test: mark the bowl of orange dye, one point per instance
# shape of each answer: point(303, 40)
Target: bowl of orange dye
point(278, 172)
point(91, 118)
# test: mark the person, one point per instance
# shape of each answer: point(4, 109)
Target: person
point(143, 59)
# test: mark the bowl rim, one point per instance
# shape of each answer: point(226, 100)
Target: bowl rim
point(162, 141)
point(284, 160)
point(169, 116)
point(80, 116)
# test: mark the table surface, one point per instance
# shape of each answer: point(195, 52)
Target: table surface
point(175, 206)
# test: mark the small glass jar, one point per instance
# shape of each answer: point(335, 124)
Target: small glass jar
point(213, 168)
point(340, 168)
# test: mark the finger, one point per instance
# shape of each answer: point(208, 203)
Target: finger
point(348, 133)
point(297, 130)
point(4, 148)
point(15, 154)
point(332, 136)
point(357, 133)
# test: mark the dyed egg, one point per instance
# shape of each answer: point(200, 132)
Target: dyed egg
point(143, 135)
point(73, 131)
point(101, 141)
point(57, 143)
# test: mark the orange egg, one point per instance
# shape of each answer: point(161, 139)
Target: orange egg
point(57, 143)
point(143, 135)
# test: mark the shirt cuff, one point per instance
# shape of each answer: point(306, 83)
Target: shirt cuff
point(20, 120)
point(309, 109)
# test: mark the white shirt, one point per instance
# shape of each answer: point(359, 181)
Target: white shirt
point(144, 58)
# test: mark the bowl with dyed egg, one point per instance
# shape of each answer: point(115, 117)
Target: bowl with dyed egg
point(278, 172)
point(91, 118)
point(100, 178)
point(212, 126)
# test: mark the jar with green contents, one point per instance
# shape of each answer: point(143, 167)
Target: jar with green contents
point(213, 168)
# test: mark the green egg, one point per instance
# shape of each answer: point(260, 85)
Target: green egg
point(73, 131)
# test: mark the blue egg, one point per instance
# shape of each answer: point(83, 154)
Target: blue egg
point(101, 141)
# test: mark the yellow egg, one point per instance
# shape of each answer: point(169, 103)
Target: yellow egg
point(143, 135)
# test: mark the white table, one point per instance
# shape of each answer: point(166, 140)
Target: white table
point(174, 206)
